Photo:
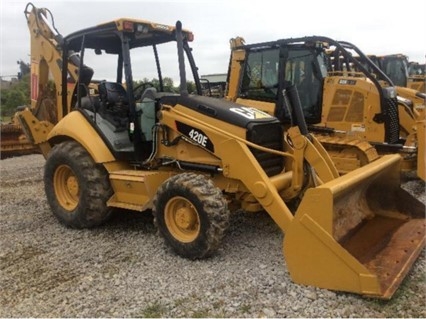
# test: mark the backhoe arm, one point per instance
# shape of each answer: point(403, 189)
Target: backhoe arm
point(46, 62)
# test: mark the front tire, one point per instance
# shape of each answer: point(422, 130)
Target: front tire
point(191, 214)
point(77, 189)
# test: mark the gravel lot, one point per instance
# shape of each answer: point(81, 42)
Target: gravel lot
point(123, 269)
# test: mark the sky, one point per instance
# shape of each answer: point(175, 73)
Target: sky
point(376, 27)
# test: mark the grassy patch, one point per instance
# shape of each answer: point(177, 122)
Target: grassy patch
point(203, 313)
point(155, 310)
point(245, 308)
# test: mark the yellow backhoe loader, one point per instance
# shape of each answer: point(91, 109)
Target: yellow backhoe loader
point(349, 111)
point(189, 157)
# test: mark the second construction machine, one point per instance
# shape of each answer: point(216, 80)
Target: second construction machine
point(349, 111)
point(402, 72)
point(388, 71)
point(189, 157)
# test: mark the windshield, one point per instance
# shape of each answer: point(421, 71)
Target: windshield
point(306, 69)
point(417, 69)
point(303, 67)
point(397, 70)
point(143, 66)
point(260, 78)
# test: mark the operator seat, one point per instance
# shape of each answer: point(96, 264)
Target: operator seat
point(113, 95)
point(114, 104)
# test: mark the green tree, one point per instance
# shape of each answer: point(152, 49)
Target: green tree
point(190, 86)
point(10, 99)
point(17, 95)
point(168, 84)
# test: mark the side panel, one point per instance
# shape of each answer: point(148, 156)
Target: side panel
point(350, 105)
point(76, 127)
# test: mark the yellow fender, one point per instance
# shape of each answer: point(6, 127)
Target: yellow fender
point(76, 127)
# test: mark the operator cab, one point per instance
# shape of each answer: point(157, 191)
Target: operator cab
point(122, 104)
point(273, 67)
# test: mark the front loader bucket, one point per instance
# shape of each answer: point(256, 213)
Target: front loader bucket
point(359, 233)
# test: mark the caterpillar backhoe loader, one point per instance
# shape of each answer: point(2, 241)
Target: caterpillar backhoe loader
point(189, 157)
point(350, 112)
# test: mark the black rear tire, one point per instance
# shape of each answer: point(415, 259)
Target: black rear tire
point(77, 189)
point(191, 214)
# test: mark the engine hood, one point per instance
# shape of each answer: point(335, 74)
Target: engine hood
point(220, 109)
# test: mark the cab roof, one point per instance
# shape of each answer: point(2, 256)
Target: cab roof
point(106, 36)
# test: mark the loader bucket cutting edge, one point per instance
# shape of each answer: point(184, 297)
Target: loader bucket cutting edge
point(359, 233)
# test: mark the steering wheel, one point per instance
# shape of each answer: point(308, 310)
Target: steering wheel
point(139, 89)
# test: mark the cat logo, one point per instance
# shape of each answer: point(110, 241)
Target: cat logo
point(250, 113)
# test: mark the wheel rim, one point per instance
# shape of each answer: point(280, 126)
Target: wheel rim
point(182, 219)
point(66, 187)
